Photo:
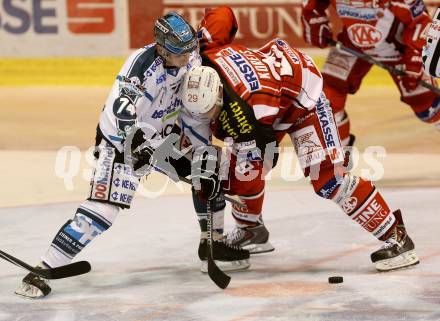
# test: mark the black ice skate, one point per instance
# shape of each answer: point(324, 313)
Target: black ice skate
point(254, 239)
point(227, 257)
point(33, 287)
point(398, 251)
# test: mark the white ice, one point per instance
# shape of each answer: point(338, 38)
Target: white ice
point(146, 267)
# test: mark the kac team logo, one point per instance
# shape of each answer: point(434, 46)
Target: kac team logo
point(364, 35)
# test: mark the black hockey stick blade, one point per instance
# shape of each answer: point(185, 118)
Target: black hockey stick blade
point(217, 276)
point(65, 271)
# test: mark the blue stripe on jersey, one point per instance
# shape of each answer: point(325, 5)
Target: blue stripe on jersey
point(197, 135)
point(115, 138)
point(150, 98)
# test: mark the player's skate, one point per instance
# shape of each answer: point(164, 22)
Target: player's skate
point(398, 251)
point(227, 257)
point(254, 239)
point(33, 286)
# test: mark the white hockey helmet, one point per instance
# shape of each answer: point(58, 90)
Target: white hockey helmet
point(201, 90)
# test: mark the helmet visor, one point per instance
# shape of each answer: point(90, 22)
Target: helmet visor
point(168, 45)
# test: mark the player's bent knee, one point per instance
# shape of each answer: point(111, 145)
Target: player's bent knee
point(328, 189)
point(103, 211)
point(113, 182)
point(91, 219)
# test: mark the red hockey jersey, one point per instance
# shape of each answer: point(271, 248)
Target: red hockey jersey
point(380, 28)
point(277, 81)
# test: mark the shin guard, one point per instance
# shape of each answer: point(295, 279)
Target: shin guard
point(360, 200)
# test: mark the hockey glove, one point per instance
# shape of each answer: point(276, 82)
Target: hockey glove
point(204, 171)
point(413, 66)
point(160, 155)
point(137, 151)
point(316, 28)
point(143, 156)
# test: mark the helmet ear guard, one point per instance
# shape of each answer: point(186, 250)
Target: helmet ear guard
point(201, 90)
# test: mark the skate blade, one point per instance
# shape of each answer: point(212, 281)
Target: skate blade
point(259, 248)
point(227, 266)
point(403, 260)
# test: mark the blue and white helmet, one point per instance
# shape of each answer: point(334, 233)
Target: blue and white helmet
point(175, 34)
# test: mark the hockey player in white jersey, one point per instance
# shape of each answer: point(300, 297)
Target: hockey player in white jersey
point(144, 96)
point(431, 50)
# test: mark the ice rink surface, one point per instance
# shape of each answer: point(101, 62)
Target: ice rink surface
point(146, 267)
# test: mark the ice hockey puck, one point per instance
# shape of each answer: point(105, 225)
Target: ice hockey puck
point(335, 279)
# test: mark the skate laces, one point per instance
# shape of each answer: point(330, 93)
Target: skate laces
point(235, 235)
point(228, 245)
point(389, 243)
point(233, 247)
point(394, 239)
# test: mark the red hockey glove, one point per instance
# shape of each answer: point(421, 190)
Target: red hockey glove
point(413, 66)
point(316, 28)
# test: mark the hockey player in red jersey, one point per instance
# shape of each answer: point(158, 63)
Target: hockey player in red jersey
point(389, 31)
point(264, 95)
point(218, 28)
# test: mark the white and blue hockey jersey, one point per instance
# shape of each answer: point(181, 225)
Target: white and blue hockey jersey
point(155, 110)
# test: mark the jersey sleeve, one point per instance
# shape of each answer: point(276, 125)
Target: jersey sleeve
point(301, 79)
point(134, 88)
point(311, 82)
point(412, 13)
point(197, 131)
point(119, 113)
point(318, 5)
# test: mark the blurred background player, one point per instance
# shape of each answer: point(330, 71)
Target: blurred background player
point(389, 31)
point(266, 94)
point(144, 96)
point(431, 50)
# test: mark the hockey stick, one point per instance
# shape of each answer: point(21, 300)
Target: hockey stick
point(380, 64)
point(61, 272)
point(220, 278)
point(217, 276)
